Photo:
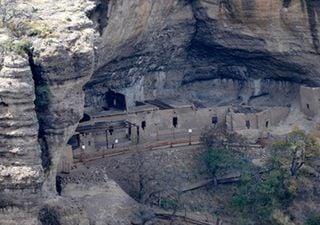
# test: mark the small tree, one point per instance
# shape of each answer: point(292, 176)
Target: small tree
point(220, 156)
point(293, 152)
point(275, 187)
point(258, 197)
point(217, 160)
point(216, 136)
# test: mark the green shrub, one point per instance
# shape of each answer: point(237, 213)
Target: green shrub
point(48, 216)
point(40, 29)
point(240, 201)
point(18, 46)
point(168, 203)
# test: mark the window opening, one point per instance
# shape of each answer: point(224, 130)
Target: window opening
point(143, 125)
point(248, 124)
point(111, 130)
point(214, 120)
point(175, 121)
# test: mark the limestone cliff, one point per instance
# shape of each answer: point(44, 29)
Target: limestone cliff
point(47, 55)
point(20, 167)
point(170, 48)
point(146, 49)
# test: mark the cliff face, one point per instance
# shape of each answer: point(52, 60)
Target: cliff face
point(268, 39)
point(46, 58)
point(20, 152)
point(161, 49)
point(147, 49)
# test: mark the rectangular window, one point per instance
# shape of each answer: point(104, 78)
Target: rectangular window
point(214, 120)
point(143, 124)
point(175, 121)
point(248, 124)
point(110, 130)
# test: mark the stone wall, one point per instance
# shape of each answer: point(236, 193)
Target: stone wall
point(262, 120)
point(242, 121)
point(161, 121)
point(66, 161)
point(310, 100)
point(158, 123)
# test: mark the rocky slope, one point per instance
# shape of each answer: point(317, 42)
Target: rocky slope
point(146, 49)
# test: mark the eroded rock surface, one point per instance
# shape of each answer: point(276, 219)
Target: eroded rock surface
point(41, 67)
point(102, 200)
point(178, 48)
point(21, 173)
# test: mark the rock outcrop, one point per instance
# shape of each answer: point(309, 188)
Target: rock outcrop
point(61, 64)
point(178, 48)
point(21, 172)
point(102, 200)
point(43, 69)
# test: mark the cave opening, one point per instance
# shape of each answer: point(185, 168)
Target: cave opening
point(3, 104)
point(74, 141)
point(85, 118)
point(115, 100)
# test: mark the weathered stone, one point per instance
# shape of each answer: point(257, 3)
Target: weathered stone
point(178, 48)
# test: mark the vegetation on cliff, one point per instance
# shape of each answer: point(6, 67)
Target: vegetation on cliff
point(266, 194)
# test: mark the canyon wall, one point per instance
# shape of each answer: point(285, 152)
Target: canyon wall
point(47, 56)
point(168, 48)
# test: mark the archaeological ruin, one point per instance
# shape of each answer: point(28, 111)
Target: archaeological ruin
point(115, 125)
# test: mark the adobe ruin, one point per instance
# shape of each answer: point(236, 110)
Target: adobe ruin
point(116, 125)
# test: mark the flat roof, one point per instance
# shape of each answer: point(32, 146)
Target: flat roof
point(143, 108)
point(103, 126)
point(175, 103)
point(247, 109)
point(169, 103)
point(112, 112)
point(159, 103)
point(200, 105)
